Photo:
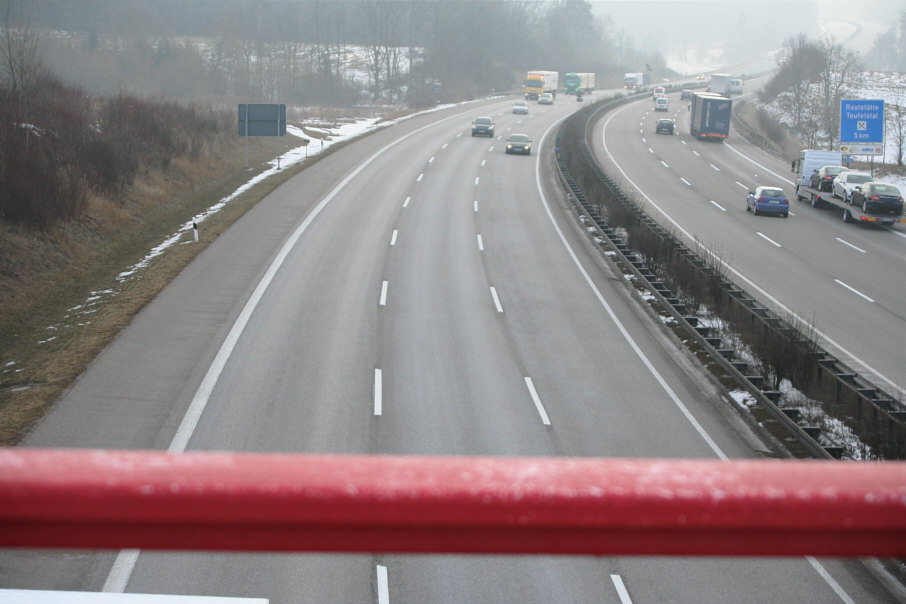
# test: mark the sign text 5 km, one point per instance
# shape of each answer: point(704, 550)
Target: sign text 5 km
point(862, 126)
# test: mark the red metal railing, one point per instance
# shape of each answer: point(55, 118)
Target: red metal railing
point(347, 503)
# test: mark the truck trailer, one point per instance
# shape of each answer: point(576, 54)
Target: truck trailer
point(538, 82)
point(810, 161)
point(720, 84)
point(574, 83)
point(636, 82)
point(710, 116)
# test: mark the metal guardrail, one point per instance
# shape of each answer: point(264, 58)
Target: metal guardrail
point(849, 385)
point(53, 498)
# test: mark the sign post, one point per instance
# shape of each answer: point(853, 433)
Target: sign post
point(263, 119)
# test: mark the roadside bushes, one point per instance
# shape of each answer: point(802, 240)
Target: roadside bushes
point(57, 144)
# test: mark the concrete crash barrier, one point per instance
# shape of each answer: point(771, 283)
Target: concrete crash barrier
point(58, 498)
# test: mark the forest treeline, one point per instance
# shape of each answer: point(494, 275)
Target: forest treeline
point(321, 52)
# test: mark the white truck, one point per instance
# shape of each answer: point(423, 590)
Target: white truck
point(809, 162)
point(720, 84)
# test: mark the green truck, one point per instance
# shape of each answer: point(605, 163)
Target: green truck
point(575, 83)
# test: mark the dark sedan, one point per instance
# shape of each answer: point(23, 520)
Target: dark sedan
point(823, 178)
point(519, 143)
point(664, 125)
point(879, 199)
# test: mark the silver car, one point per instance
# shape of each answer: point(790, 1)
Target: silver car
point(520, 107)
point(847, 181)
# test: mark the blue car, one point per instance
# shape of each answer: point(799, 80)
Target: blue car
point(765, 200)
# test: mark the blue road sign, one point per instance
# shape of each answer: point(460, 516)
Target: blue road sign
point(862, 122)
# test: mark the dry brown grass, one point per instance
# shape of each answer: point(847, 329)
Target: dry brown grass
point(45, 274)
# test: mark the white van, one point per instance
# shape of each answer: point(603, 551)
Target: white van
point(810, 160)
point(660, 103)
point(735, 86)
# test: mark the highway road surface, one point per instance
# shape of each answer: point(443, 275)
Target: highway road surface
point(417, 292)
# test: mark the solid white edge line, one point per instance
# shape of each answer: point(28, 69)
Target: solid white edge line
point(841, 593)
point(537, 400)
point(384, 293)
point(383, 585)
point(378, 391)
point(815, 564)
point(613, 316)
point(621, 589)
point(854, 290)
point(496, 299)
point(786, 310)
point(124, 564)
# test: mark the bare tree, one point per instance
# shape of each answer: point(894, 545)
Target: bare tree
point(896, 129)
point(838, 77)
point(20, 52)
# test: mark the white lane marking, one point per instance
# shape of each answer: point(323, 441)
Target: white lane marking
point(475, 206)
point(121, 571)
point(480, 244)
point(682, 141)
point(458, 135)
point(858, 249)
point(841, 593)
point(537, 400)
point(686, 182)
point(483, 162)
point(696, 153)
point(777, 303)
point(384, 293)
point(766, 238)
point(765, 168)
point(720, 207)
point(420, 177)
point(496, 299)
point(444, 146)
point(378, 391)
point(663, 163)
point(650, 150)
point(644, 140)
point(897, 233)
point(716, 169)
point(821, 571)
point(491, 148)
point(613, 316)
point(393, 237)
point(431, 161)
point(742, 185)
point(383, 585)
point(406, 203)
point(854, 290)
point(476, 180)
point(621, 589)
